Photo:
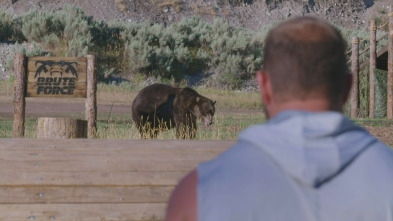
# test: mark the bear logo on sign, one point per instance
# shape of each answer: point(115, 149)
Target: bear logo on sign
point(52, 84)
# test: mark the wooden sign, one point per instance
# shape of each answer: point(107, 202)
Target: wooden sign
point(55, 77)
point(62, 77)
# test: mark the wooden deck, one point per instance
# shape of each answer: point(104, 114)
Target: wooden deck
point(94, 179)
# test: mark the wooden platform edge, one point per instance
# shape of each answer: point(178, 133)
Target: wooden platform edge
point(74, 144)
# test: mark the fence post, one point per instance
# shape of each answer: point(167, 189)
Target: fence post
point(390, 66)
point(91, 98)
point(355, 73)
point(373, 64)
point(19, 95)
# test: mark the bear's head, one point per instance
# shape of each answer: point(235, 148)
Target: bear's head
point(204, 110)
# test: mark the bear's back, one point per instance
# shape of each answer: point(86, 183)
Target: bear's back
point(151, 97)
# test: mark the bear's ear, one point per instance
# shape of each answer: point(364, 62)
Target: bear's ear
point(214, 102)
point(198, 99)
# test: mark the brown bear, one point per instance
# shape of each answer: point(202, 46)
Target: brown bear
point(161, 107)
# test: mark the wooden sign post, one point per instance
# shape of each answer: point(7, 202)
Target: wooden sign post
point(19, 95)
point(59, 77)
point(91, 101)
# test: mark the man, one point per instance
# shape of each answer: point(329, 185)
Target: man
point(308, 161)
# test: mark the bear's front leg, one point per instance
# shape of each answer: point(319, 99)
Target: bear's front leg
point(185, 126)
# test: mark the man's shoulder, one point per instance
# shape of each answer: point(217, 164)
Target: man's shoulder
point(374, 166)
point(242, 159)
point(381, 154)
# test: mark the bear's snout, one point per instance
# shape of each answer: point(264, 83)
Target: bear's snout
point(208, 120)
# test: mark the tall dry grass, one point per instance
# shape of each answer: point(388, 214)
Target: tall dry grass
point(226, 126)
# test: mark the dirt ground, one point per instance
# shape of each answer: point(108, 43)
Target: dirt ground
point(47, 108)
point(383, 133)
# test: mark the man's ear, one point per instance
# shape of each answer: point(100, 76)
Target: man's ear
point(348, 86)
point(265, 87)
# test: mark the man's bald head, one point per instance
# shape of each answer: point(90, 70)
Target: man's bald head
point(305, 58)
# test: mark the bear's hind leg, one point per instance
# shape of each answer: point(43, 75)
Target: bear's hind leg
point(147, 128)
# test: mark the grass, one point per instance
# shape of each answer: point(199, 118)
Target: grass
point(382, 122)
point(225, 127)
point(235, 111)
point(6, 128)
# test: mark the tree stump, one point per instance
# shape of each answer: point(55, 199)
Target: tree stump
point(61, 128)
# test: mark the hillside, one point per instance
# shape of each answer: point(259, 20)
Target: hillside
point(246, 13)
point(180, 46)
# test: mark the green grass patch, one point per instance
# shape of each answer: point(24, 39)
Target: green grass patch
point(381, 122)
point(6, 128)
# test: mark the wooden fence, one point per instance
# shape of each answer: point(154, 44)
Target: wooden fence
point(382, 60)
point(94, 179)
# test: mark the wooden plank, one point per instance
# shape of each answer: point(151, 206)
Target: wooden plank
point(85, 212)
point(79, 59)
point(65, 194)
point(97, 165)
point(11, 144)
point(94, 179)
point(102, 156)
point(106, 155)
point(80, 67)
point(79, 158)
point(91, 160)
point(31, 79)
point(19, 95)
point(90, 178)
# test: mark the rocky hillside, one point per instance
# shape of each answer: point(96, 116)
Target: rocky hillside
point(246, 13)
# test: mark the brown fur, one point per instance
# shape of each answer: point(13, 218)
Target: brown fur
point(161, 107)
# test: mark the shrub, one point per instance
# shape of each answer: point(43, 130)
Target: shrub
point(39, 24)
point(225, 55)
point(33, 50)
point(6, 26)
point(190, 47)
point(68, 27)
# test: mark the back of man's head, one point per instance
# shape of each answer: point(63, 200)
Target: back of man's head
point(305, 58)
